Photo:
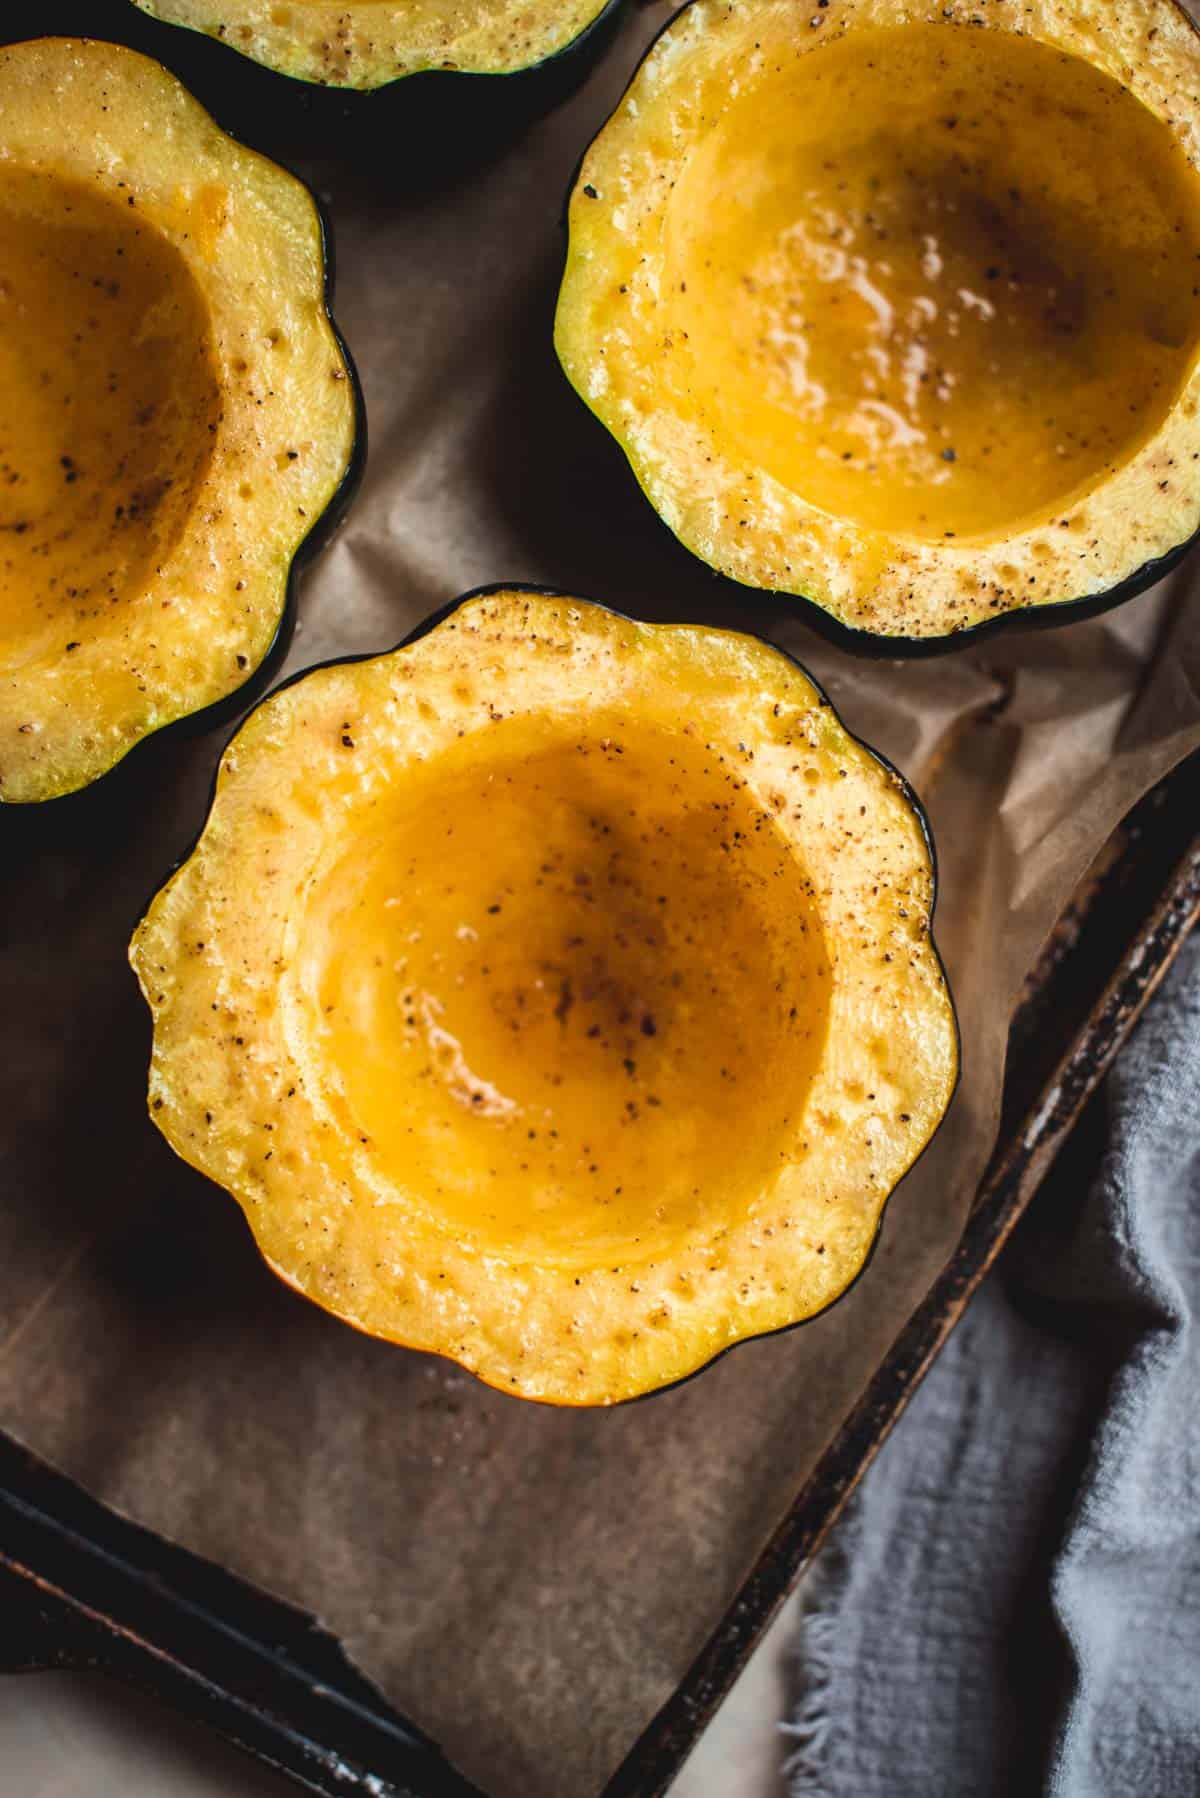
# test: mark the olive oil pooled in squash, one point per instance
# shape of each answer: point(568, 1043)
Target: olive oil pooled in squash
point(175, 409)
point(555, 993)
point(903, 316)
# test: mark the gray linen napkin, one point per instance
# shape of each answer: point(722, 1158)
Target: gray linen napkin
point(1012, 1604)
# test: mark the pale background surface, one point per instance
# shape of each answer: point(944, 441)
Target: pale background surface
point(77, 1736)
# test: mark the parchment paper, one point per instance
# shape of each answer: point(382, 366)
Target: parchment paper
point(527, 1585)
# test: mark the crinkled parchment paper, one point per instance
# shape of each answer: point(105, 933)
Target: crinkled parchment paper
point(527, 1585)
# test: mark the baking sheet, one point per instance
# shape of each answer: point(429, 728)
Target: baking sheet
point(529, 1586)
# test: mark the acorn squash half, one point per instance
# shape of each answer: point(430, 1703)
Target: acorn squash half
point(895, 306)
point(177, 411)
point(361, 46)
point(555, 993)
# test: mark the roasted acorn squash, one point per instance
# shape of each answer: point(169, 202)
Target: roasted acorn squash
point(555, 993)
point(895, 306)
point(176, 409)
point(360, 46)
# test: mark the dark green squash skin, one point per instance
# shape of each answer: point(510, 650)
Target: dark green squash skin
point(875, 645)
point(427, 119)
point(907, 792)
point(323, 528)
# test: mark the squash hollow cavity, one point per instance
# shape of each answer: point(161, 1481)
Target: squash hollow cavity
point(596, 1037)
point(895, 308)
point(108, 407)
point(934, 280)
point(555, 992)
point(177, 414)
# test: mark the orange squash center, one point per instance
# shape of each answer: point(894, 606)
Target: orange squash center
point(933, 279)
point(553, 995)
point(108, 405)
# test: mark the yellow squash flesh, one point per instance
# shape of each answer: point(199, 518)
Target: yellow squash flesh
point(555, 993)
point(365, 44)
point(175, 410)
point(896, 307)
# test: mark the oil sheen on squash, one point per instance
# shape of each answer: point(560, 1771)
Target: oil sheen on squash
point(541, 1042)
point(177, 413)
point(937, 281)
point(108, 403)
point(897, 308)
point(555, 993)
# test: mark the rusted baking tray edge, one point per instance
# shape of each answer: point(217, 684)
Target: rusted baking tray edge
point(82, 1587)
point(1103, 962)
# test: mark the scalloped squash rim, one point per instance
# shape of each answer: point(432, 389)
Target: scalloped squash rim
point(499, 1315)
point(340, 52)
point(897, 609)
point(189, 641)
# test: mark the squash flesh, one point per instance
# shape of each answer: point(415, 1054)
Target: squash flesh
point(543, 1045)
point(732, 312)
point(372, 1177)
point(108, 403)
point(936, 281)
point(227, 288)
point(361, 45)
